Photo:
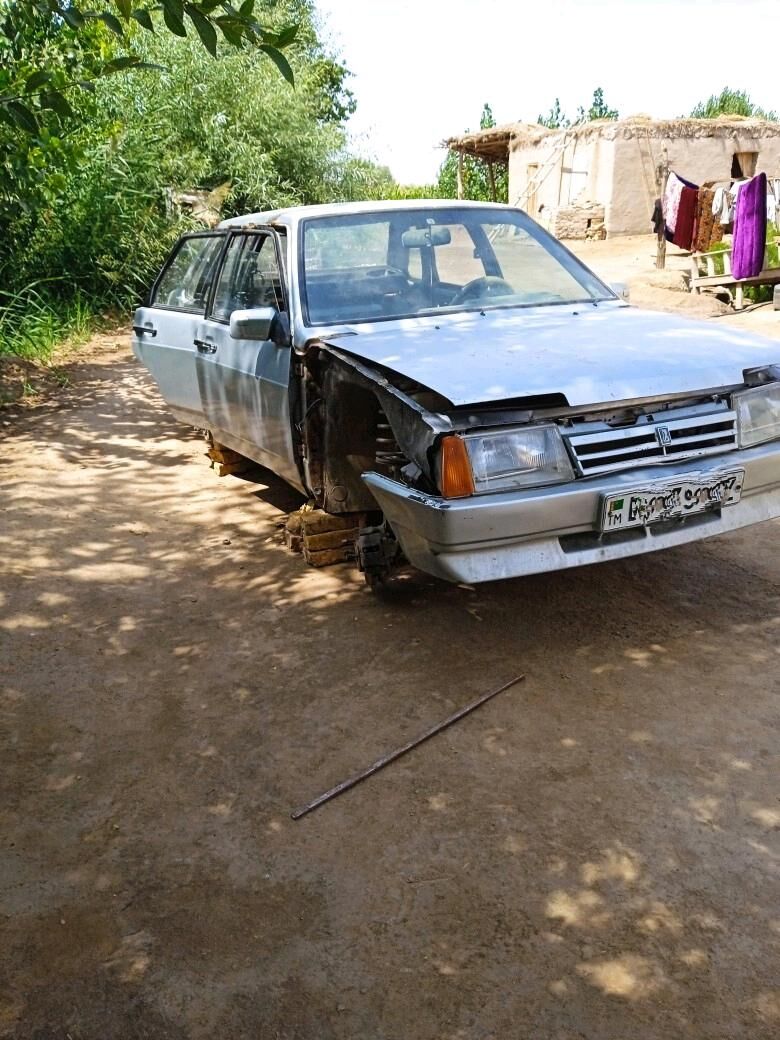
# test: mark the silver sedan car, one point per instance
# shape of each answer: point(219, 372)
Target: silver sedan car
point(454, 380)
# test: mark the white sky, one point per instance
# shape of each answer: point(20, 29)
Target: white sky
point(423, 68)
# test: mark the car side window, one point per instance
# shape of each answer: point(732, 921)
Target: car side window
point(250, 277)
point(186, 280)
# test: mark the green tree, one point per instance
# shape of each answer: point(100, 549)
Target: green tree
point(54, 54)
point(363, 179)
point(486, 120)
point(85, 194)
point(731, 103)
point(555, 118)
point(276, 145)
point(99, 223)
point(476, 178)
point(599, 109)
point(31, 83)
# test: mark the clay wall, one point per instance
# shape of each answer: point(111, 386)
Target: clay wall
point(613, 166)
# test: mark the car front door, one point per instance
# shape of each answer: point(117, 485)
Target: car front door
point(165, 329)
point(245, 383)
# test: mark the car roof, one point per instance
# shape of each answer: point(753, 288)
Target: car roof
point(293, 214)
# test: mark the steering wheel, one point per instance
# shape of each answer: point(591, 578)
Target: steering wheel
point(384, 287)
point(482, 288)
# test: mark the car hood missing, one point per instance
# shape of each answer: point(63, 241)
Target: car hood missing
point(590, 355)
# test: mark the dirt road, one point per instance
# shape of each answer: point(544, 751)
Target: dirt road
point(592, 855)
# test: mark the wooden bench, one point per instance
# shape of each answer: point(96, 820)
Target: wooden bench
point(703, 274)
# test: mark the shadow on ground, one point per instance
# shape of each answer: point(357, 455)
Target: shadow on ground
point(593, 854)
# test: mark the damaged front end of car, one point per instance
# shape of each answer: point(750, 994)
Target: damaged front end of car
point(485, 492)
point(358, 419)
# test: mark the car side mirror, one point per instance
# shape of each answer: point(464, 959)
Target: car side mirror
point(620, 289)
point(256, 323)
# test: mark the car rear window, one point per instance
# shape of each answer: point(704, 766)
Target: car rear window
point(186, 279)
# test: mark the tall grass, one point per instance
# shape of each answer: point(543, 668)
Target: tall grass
point(33, 321)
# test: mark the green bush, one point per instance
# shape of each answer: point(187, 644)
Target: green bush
point(90, 225)
point(34, 321)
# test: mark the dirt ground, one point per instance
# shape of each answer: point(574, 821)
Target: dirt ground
point(593, 855)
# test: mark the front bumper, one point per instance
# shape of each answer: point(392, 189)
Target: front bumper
point(489, 537)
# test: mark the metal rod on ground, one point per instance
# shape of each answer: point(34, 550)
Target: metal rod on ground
point(385, 760)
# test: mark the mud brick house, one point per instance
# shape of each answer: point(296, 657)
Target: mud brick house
point(601, 178)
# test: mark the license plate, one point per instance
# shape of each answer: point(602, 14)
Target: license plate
point(670, 500)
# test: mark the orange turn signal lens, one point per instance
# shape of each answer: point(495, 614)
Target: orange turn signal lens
point(457, 480)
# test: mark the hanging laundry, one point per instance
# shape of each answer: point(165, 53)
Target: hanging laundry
point(657, 217)
point(707, 230)
point(673, 194)
point(734, 190)
point(723, 205)
point(771, 207)
point(720, 203)
point(747, 254)
point(670, 202)
point(686, 213)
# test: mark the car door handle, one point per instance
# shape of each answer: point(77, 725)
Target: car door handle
point(205, 347)
point(144, 330)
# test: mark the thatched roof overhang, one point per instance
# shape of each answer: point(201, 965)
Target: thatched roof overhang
point(495, 143)
point(491, 144)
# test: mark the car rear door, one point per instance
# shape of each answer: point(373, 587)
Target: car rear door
point(165, 329)
point(245, 383)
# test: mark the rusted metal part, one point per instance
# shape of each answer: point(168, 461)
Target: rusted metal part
point(415, 428)
point(357, 409)
point(385, 760)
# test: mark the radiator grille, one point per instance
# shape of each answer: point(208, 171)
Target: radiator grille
point(602, 450)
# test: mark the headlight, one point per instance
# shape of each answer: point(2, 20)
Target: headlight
point(523, 457)
point(758, 414)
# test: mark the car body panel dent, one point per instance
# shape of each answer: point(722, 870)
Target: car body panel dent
point(590, 354)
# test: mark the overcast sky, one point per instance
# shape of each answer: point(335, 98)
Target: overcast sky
point(423, 68)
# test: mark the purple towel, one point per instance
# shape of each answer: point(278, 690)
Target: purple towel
point(747, 254)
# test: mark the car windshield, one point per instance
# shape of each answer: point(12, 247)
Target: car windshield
point(402, 263)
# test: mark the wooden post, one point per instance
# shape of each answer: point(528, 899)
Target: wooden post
point(661, 175)
point(492, 177)
point(460, 175)
point(560, 172)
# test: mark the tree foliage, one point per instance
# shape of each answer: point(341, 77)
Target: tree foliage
point(476, 178)
point(85, 200)
point(731, 102)
point(54, 55)
point(555, 118)
point(362, 179)
point(598, 109)
point(40, 59)
point(30, 83)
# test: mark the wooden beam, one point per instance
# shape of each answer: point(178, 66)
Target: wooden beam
point(492, 177)
point(460, 175)
point(564, 146)
point(661, 175)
